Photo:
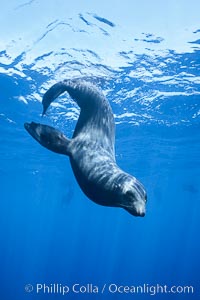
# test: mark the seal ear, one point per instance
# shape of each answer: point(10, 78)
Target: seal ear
point(49, 137)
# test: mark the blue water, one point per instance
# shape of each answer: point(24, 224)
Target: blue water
point(50, 233)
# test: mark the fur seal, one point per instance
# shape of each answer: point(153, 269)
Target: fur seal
point(91, 149)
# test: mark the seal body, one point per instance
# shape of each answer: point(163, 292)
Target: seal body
point(91, 149)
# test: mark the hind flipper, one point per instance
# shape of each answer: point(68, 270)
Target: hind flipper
point(49, 137)
point(86, 95)
point(95, 109)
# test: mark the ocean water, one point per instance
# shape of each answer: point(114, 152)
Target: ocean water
point(54, 242)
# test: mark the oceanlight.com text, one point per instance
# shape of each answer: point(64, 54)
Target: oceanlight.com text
point(111, 288)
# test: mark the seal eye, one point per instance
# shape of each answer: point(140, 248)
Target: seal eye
point(130, 194)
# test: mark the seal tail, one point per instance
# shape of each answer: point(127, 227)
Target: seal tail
point(85, 94)
point(49, 137)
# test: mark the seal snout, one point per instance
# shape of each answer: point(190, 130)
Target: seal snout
point(141, 213)
point(137, 208)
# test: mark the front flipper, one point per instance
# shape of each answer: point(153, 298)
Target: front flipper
point(49, 137)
